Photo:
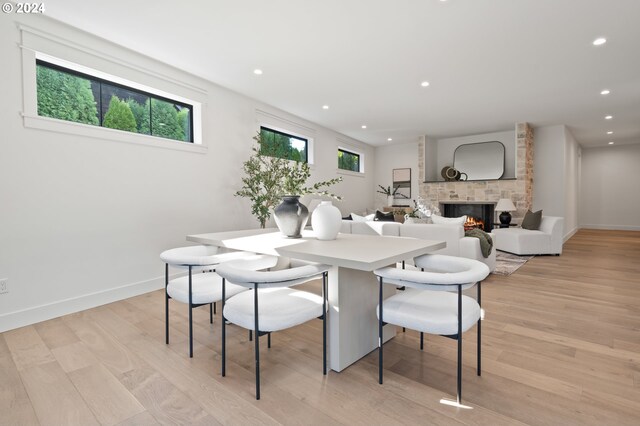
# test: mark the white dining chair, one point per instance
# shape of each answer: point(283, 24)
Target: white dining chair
point(204, 288)
point(272, 305)
point(428, 304)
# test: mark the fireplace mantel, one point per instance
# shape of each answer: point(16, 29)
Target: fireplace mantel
point(467, 202)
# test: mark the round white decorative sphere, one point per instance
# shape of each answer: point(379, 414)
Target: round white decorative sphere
point(326, 221)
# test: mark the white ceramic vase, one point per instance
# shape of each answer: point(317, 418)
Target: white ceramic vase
point(390, 200)
point(326, 221)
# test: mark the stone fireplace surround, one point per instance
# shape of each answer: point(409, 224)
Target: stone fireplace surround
point(519, 190)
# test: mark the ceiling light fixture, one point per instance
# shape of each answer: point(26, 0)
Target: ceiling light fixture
point(608, 117)
point(605, 92)
point(325, 106)
point(609, 132)
point(257, 71)
point(599, 41)
point(610, 142)
point(364, 126)
point(389, 139)
point(424, 84)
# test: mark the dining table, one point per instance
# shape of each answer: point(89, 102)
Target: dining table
point(352, 286)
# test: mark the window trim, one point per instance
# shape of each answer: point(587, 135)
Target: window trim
point(101, 80)
point(31, 119)
point(360, 161)
point(289, 134)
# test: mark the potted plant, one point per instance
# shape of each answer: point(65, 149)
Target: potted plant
point(389, 192)
point(275, 184)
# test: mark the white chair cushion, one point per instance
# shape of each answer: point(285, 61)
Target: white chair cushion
point(434, 312)
point(440, 273)
point(199, 255)
point(244, 272)
point(279, 308)
point(205, 288)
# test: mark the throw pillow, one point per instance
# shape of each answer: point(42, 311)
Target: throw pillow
point(358, 218)
point(384, 217)
point(532, 220)
point(440, 220)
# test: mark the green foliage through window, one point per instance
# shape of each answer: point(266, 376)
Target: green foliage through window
point(348, 160)
point(282, 145)
point(72, 96)
point(65, 96)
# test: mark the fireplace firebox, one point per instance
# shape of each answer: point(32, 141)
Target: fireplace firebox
point(480, 211)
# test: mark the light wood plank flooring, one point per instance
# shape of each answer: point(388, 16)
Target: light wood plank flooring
point(561, 346)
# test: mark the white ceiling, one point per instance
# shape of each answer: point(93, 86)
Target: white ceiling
point(490, 63)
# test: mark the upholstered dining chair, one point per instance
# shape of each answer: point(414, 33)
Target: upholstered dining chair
point(430, 303)
point(196, 289)
point(272, 305)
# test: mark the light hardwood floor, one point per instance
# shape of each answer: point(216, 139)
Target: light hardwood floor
point(561, 346)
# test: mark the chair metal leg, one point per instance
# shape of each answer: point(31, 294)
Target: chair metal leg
point(324, 324)
point(421, 340)
point(380, 334)
point(166, 303)
point(250, 335)
point(478, 367)
point(269, 340)
point(210, 313)
point(459, 393)
point(214, 308)
point(224, 330)
point(257, 341)
point(190, 316)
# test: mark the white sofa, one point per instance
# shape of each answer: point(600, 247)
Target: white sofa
point(453, 235)
point(546, 240)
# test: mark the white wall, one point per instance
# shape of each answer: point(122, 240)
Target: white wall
point(571, 183)
point(610, 187)
point(396, 157)
point(548, 170)
point(556, 175)
point(446, 147)
point(84, 219)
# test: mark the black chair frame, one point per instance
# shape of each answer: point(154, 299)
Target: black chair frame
point(457, 336)
point(259, 333)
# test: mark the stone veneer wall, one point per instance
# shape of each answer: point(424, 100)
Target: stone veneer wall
point(519, 190)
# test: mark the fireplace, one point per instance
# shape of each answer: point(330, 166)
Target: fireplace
point(480, 212)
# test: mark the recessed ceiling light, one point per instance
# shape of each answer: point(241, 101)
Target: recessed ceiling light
point(609, 132)
point(257, 71)
point(424, 84)
point(364, 126)
point(599, 41)
point(608, 117)
point(389, 139)
point(605, 92)
point(325, 106)
point(610, 142)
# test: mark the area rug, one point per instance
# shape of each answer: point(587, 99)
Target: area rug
point(507, 263)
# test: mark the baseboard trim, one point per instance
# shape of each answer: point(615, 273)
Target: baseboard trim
point(569, 235)
point(35, 314)
point(612, 227)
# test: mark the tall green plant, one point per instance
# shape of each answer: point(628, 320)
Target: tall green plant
point(65, 96)
point(119, 116)
point(268, 178)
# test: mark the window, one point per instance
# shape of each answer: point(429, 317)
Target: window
point(283, 145)
point(70, 95)
point(348, 160)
